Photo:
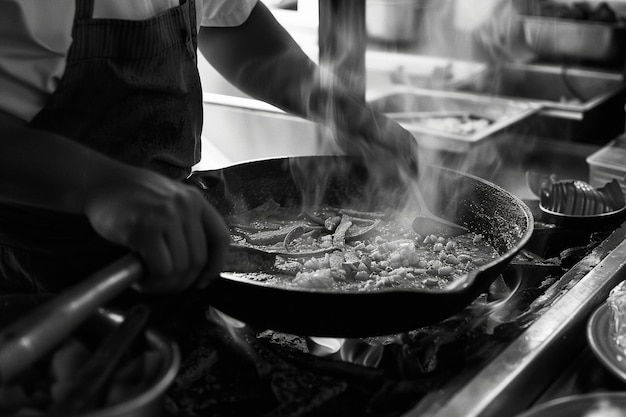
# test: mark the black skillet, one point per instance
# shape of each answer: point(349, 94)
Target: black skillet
point(480, 206)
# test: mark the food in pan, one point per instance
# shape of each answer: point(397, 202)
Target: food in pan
point(346, 250)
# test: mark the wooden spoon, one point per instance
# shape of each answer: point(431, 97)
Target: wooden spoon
point(426, 223)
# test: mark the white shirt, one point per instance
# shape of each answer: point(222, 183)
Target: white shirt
point(35, 37)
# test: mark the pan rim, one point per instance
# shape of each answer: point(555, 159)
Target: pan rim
point(459, 286)
point(367, 313)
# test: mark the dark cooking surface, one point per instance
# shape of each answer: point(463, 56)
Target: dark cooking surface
point(266, 373)
point(258, 372)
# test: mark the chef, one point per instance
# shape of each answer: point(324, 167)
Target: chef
point(100, 123)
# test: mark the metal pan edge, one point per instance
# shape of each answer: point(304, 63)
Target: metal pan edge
point(595, 404)
point(601, 344)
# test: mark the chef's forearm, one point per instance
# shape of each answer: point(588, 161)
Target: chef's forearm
point(263, 60)
point(42, 169)
point(294, 84)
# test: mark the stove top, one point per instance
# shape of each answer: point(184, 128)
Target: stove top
point(501, 352)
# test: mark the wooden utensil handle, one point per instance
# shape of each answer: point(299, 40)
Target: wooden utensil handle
point(30, 337)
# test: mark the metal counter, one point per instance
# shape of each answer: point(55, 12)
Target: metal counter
point(518, 376)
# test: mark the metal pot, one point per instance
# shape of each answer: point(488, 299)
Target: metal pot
point(147, 403)
point(393, 20)
point(150, 402)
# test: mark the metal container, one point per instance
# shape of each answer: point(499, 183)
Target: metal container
point(149, 402)
point(393, 20)
point(576, 104)
point(505, 114)
point(609, 163)
point(553, 38)
point(595, 404)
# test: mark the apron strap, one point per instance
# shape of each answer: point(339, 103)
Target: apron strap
point(84, 9)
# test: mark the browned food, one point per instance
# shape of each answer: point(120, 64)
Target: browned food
point(347, 250)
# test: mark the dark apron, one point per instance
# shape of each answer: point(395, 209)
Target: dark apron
point(130, 90)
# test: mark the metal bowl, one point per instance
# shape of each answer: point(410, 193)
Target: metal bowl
point(583, 405)
point(584, 221)
point(576, 203)
point(393, 20)
point(148, 402)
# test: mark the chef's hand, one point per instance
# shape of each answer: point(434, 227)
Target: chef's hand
point(366, 132)
point(179, 236)
point(388, 142)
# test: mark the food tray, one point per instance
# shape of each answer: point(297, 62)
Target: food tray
point(577, 104)
point(554, 38)
point(609, 163)
point(504, 114)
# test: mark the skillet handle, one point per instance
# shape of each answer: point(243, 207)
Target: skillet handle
point(30, 337)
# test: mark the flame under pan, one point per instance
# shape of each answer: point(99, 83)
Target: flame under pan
point(471, 201)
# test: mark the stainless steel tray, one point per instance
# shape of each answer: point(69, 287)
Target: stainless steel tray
point(576, 103)
point(504, 114)
point(579, 40)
